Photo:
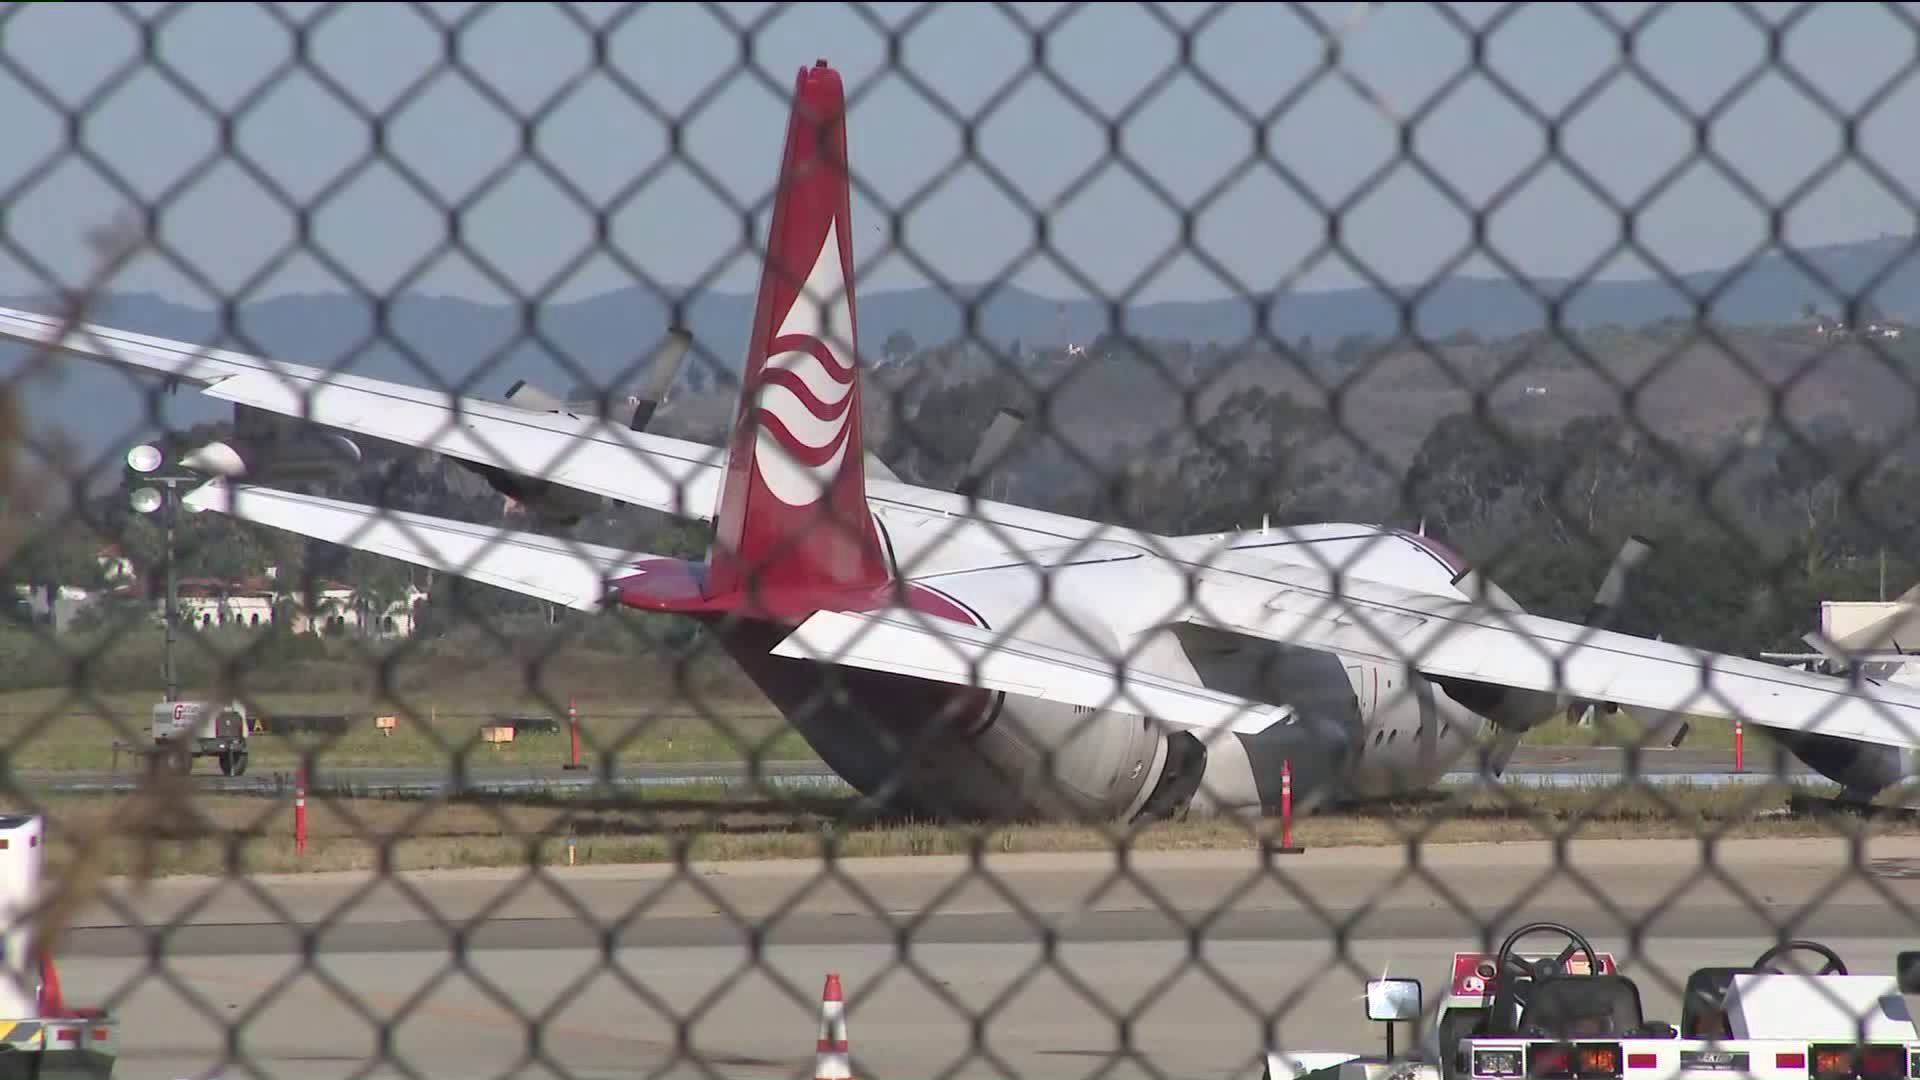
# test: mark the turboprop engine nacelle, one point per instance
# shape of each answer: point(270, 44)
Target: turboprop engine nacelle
point(549, 503)
point(563, 507)
point(1863, 769)
point(268, 448)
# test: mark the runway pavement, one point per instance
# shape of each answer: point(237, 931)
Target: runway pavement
point(1054, 955)
point(1530, 763)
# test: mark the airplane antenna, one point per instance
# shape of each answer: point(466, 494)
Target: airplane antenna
point(1423, 525)
point(1263, 524)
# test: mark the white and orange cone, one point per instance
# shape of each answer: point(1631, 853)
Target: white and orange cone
point(831, 1059)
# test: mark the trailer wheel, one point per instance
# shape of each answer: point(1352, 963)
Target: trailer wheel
point(233, 762)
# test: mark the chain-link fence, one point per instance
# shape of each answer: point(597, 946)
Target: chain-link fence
point(480, 608)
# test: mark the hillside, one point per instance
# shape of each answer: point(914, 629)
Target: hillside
point(488, 347)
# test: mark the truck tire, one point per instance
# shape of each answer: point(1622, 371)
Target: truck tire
point(233, 762)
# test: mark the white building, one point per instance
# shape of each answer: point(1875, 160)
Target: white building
point(209, 604)
point(335, 612)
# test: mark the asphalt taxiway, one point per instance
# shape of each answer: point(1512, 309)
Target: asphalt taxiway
point(1022, 965)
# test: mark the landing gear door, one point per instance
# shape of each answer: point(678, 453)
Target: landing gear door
point(1366, 689)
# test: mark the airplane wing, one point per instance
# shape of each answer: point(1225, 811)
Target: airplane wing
point(675, 476)
point(899, 642)
point(548, 568)
point(1444, 638)
point(1450, 638)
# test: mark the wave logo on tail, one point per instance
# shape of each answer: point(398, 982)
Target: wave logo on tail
point(805, 390)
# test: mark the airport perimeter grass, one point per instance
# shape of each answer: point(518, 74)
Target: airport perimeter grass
point(706, 823)
point(53, 729)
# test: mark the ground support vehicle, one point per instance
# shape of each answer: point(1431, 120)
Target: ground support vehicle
point(1573, 1016)
point(41, 1036)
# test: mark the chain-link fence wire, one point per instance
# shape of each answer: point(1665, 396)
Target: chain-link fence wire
point(1107, 525)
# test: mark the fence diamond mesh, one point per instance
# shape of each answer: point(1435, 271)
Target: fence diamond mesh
point(958, 539)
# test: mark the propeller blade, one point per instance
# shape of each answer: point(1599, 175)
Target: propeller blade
point(1605, 609)
point(525, 395)
point(1502, 752)
point(1606, 602)
point(1828, 649)
point(661, 371)
point(1006, 426)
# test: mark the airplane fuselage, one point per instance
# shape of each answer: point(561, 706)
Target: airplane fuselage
point(1358, 729)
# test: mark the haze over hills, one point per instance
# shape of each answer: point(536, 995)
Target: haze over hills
point(432, 339)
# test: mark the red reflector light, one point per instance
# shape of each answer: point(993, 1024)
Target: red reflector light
point(99, 1034)
point(1604, 1060)
point(1883, 1063)
point(1586, 1061)
point(1832, 1061)
point(65, 1034)
point(1852, 1062)
point(1643, 1061)
point(1789, 1060)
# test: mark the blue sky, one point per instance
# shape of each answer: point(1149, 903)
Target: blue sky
point(721, 71)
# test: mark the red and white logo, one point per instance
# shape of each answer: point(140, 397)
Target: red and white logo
point(805, 389)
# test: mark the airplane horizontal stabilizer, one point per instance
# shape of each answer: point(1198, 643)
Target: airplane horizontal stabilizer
point(901, 642)
point(553, 569)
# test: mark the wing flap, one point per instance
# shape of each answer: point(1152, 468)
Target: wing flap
point(901, 642)
point(548, 568)
point(1451, 638)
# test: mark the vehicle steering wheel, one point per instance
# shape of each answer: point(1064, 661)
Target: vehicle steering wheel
point(1507, 997)
point(1540, 969)
point(1833, 966)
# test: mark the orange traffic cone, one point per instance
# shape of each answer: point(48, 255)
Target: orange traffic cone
point(830, 1061)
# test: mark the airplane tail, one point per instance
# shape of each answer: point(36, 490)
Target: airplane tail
point(793, 531)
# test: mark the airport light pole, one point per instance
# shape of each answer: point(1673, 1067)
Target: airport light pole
point(146, 460)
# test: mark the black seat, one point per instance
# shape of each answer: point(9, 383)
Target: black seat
point(1583, 1006)
point(1703, 1004)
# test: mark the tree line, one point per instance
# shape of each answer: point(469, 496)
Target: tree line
point(1750, 531)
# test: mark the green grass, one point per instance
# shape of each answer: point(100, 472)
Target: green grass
point(56, 730)
point(49, 730)
point(640, 698)
point(1627, 728)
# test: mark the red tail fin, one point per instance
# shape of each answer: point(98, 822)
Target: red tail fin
point(793, 518)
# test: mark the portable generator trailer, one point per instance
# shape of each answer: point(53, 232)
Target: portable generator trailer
point(184, 730)
point(41, 1036)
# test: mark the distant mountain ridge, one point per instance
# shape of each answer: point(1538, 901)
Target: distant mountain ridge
point(485, 348)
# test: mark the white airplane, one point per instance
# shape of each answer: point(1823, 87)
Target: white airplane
point(963, 657)
point(1880, 654)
